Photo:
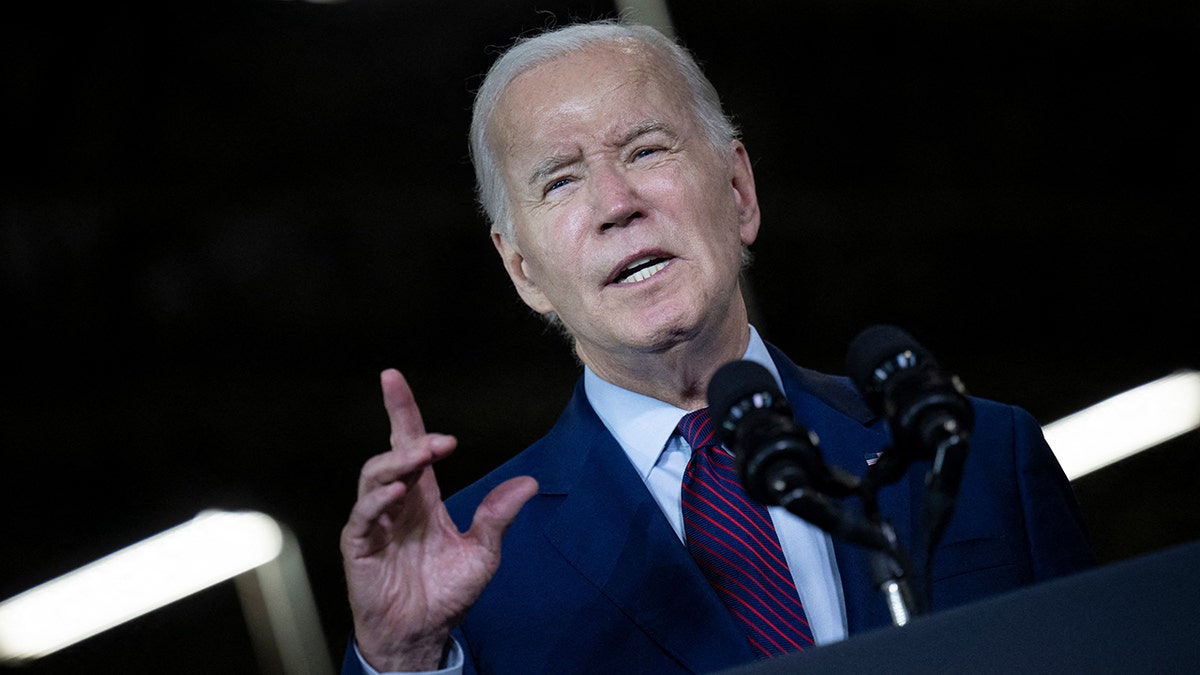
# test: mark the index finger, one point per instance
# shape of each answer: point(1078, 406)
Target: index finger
point(401, 407)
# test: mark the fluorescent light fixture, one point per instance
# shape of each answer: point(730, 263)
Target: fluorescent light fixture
point(212, 547)
point(1126, 424)
point(649, 12)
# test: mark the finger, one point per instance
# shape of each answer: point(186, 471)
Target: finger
point(401, 407)
point(499, 508)
point(405, 463)
point(364, 517)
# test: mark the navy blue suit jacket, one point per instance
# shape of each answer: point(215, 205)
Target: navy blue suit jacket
point(593, 578)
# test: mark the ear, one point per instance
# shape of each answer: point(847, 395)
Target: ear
point(518, 271)
point(744, 194)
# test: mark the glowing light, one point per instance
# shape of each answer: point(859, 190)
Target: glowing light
point(1126, 424)
point(212, 547)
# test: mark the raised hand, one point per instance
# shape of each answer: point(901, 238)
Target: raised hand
point(410, 573)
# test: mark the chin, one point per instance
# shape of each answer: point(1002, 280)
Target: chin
point(665, 336)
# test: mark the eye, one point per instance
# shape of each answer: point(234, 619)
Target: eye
point(555, 184)
point(645, 152)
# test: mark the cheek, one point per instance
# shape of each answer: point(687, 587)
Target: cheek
point(554, 245)
point(698, 191)
point(550, 267)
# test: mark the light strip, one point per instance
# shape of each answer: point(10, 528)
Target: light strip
point(212, 547)
point(648, 12)
point(1126, 424)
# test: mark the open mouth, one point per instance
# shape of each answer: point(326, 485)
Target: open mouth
point(641, 269)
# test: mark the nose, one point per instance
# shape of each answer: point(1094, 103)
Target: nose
point(616, 199)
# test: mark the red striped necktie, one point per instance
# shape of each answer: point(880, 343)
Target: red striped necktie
point(734, 542)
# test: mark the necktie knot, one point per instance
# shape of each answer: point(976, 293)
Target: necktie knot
point(698, 430)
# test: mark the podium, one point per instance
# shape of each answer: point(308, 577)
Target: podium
point(1133, 616)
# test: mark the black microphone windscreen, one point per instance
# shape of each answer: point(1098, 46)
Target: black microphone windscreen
point(874, 346)
point(735, 381)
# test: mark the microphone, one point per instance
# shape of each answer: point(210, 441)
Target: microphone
point(927, 408)
point(779, 463)
point(777, 460)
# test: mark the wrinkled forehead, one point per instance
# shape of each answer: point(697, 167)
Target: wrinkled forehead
point(591, 76)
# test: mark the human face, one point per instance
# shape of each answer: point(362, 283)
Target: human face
point(628, 223)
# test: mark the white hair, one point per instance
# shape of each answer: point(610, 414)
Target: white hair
point(529, 52)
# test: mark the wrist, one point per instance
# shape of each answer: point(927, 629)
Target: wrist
point(424, 654)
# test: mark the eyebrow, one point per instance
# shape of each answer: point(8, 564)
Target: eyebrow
point(554, 163)
point(549, 166)
point(646, 127)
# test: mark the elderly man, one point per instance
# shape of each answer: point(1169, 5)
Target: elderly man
point(621, 202)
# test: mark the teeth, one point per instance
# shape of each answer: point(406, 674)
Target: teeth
point(643, 274)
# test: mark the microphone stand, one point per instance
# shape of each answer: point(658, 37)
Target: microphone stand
point(891, 567)
point(941, 488)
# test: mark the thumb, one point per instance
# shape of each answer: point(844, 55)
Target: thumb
point(499, 508)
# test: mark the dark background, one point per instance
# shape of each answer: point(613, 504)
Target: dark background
point(221, 220)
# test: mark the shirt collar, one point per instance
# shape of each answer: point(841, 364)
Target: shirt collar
point(643, 425)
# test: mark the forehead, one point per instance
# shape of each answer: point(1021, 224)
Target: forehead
point(599, 91)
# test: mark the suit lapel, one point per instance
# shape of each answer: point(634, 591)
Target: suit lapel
point(629, 551)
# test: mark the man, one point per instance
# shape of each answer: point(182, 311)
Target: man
point(621, 202)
